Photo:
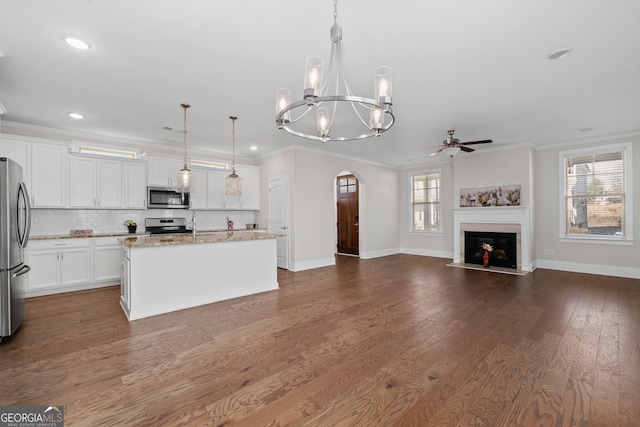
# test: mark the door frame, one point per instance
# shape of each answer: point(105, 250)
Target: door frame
point(361, 211)
point(287, 238)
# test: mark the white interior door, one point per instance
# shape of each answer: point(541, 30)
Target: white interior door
point(279, 216)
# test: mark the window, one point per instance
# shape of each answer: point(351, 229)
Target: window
point(207, 164)
point(106, 152)
point(597, 193)
point(425, 202)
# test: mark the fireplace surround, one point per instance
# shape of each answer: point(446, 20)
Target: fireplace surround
point(499, 219)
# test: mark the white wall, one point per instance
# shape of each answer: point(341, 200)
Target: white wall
point(465, 170)
point(438, 245)
point(313, 225)
point(615, 260)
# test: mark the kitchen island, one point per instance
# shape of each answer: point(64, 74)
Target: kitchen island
point(165, 273)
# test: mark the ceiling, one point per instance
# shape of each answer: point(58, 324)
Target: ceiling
point(478, 67)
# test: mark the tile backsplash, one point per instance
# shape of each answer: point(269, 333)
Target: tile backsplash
point(52, 222)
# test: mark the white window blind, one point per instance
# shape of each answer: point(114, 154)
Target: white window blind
point(595, 194)
point(425, 202)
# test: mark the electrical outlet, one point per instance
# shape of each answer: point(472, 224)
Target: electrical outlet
point(551, 252)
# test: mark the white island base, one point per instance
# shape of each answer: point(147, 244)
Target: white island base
point(164, 278)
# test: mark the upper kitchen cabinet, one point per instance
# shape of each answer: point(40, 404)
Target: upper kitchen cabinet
point(250, 199)
point(19, 150)
point(199, 193)
point(163, 170)
point(49, 175)
point(95, 183)
point(209, 189)
point(135, 184)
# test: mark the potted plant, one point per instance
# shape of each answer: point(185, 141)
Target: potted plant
point(131, 225)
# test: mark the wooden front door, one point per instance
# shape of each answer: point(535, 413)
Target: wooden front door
point(347, 196)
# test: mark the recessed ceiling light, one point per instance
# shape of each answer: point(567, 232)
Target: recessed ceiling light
point(253, 147)
point(76, 42)
point(76, 115)
point(560, 53)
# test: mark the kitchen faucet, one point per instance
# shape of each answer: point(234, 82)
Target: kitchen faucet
point(193, 222)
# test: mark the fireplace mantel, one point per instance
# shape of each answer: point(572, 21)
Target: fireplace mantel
point(513, 218)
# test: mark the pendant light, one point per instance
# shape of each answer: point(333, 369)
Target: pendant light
point(233, 182)
point(329, 111)
point(184, 178)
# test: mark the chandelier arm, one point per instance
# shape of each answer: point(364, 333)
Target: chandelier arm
point(353, 105)
point(291, 107)
point(318, 100)
point(340, 72)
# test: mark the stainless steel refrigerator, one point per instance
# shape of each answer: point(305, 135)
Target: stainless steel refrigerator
point(15, 222)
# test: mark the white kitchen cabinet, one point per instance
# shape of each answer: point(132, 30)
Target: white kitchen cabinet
point(106, 259)
point(199, 195)
point(215, 189)
point(95, 183)
point(58, 264)
point(18, 150)
point(214, 197)
point(135, 184)
point(250, 199)
point(163, 170)
point(125, 280)
point(49, 175)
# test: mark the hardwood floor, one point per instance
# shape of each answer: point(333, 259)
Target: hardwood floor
point(394, 341)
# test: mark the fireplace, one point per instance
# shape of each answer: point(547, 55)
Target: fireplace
point(512, 220)
point(504, 252)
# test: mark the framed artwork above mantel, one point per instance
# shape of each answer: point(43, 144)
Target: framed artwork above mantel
point(501, 195)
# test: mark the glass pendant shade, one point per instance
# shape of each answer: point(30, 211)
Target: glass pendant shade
point(323, 121)
point(313, 76)
point(233, 184)
point(283, 99)
point(376, 118)
point(383, 84)
point(184, 180)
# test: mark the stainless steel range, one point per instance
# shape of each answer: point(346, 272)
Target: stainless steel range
point(166, 225)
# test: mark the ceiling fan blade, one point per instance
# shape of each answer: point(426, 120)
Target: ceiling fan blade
point(484, 141)
point(436, 152)
point(467, 149)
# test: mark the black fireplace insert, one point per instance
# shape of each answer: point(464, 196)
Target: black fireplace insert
point(504, 245)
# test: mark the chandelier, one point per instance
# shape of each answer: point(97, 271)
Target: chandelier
point(233, 182)
point(184, 176)
point(329, 101)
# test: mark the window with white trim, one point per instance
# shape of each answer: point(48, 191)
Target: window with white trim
point(108, 152)
point(597, 193)
point(424, 201)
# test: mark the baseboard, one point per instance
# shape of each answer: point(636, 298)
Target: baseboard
point(74, 288)
point(427, 252)
point(380, 253)
point(315, 263)
point(576, 267)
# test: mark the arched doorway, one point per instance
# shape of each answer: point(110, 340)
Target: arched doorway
point(347, 214)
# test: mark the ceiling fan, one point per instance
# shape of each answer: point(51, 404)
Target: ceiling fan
point(452, 146)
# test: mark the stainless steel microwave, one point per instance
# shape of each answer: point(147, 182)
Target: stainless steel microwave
point(167, 198)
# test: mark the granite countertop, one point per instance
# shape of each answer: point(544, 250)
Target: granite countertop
point(68, 236)
point(200, 237)
point(123, 234)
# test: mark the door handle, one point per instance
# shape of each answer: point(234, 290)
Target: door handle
point(24, 269)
